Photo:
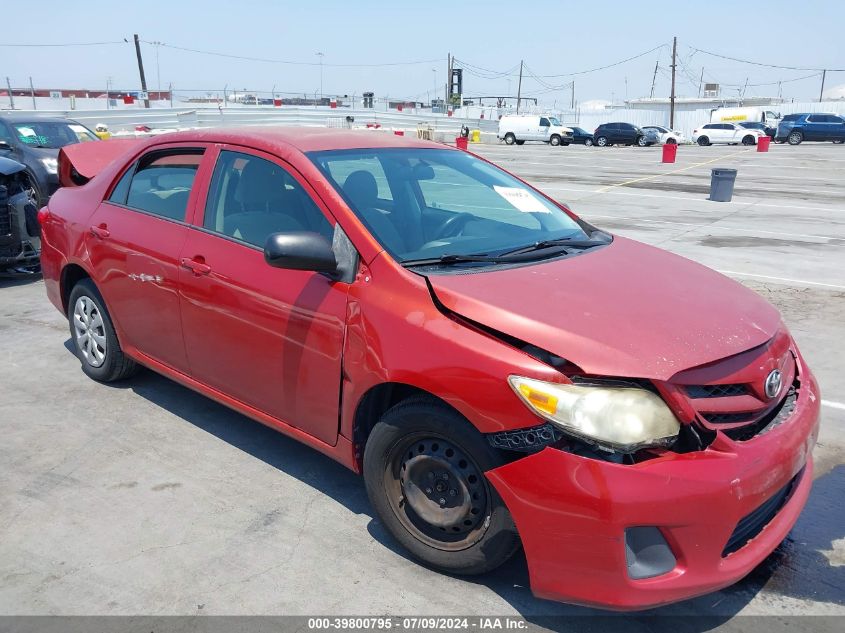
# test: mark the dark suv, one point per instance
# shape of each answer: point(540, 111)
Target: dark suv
point(813, 126)
point(620, 134)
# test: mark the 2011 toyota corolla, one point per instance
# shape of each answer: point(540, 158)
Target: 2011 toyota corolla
point(502, 373)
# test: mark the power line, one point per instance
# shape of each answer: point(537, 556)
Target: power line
point(291, 62)
point(124, 41)
point(747, 61)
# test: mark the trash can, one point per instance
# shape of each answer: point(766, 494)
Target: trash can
point(722, 184)
point(461, 142)
point(763, 143)
point(476, 136)
point(669, 152)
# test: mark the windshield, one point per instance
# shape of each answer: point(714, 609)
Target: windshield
point(554, 120)
point(52, 134)
point(429, 203)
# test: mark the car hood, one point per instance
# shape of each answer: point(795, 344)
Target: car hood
point(626, 309)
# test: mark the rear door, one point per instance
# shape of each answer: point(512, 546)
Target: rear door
point(134, 242)
point(815, 128)
point(267, 337)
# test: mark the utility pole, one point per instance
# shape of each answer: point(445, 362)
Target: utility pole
point(141, 70)
point(654, 79)
point(519, 87)
point(672, 98)
point(320, 55)
point(170, 91)
point(572, 105)
point(700, 80)
point(11, 96)
point(448, 79)
point(32, 94)
point(821, 92)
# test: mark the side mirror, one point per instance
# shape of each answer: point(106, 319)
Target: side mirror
point(5, 145)
point(300, 251)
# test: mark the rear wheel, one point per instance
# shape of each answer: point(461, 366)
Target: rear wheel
point(749, 140)
point(602, 141)
point(424, 468)
point(554, 140)
point(838, 141)
point(795, 138)
point(703, 141)
point(510, 139)
point(94, 340)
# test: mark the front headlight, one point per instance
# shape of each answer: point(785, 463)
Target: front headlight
point(50, 164)
point(624, 418)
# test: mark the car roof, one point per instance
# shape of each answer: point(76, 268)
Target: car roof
point(304, 139)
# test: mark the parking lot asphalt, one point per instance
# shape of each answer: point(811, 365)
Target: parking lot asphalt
point(146, 498)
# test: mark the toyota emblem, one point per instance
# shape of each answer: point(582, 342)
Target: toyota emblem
point(773, 384)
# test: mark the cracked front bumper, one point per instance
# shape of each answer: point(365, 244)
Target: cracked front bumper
point(572, 512)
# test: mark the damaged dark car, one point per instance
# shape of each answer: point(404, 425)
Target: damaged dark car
point(20, 235)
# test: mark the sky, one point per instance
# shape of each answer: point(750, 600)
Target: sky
point(554, 39)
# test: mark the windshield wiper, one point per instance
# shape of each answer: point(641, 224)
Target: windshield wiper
point(562, 241)
point(455, 259)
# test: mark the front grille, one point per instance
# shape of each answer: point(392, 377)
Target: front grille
point(768, 422)
point(5, 219)
point(753, 523)
point(727, 418)
point(716, 391)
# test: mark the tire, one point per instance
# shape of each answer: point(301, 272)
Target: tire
point(588, 142)
point(642, 142)
point(554, 139)
point(510, 139)
point(749, 140)
point(40, 198)
point(103, 360)
point(602, 141)
point(421, 440)
point(703, 141)
point(565, 144)
point(838, 141)
point(795, 138)
point(671, 141)
point(519, 142)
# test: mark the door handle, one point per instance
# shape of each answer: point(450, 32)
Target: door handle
point(100, 231)
point(197, 267)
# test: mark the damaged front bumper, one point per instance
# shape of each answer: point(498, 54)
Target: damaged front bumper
point(20, 235)
point(719, 512)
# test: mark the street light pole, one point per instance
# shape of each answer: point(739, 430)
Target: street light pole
point(434, 93)
point(320, 55)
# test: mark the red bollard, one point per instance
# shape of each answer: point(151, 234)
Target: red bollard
point(670, 150)
point(399, 132)
point(461, 142)
point(763, 143)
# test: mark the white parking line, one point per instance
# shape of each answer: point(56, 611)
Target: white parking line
point(786, 279)
point(833, 405)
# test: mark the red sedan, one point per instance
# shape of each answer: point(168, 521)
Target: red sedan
point(503, 373)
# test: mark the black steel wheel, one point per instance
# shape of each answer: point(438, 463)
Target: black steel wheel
point(424, 468)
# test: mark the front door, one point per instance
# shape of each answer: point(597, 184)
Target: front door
point(134, 241)
point(270, 338)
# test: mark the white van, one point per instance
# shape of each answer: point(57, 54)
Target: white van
point(529, 127)
point(741, 115)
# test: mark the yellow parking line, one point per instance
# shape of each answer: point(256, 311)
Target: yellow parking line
point(669, 173)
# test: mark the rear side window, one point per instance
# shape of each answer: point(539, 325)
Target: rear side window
point(817, 118)
point(161, 184)
point(710, 126)
point(121, 189)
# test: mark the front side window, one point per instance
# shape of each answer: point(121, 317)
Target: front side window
point(544, 122)
point(443, 202)
point(251, 198)
point(161, 184)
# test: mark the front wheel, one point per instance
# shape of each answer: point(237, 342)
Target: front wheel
point(588, 142)
point(838, 141)
point(748, 140)
point(554, 140)
point(671, 141)
point(424, 468)
point(94, 340)
point(795, 138)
